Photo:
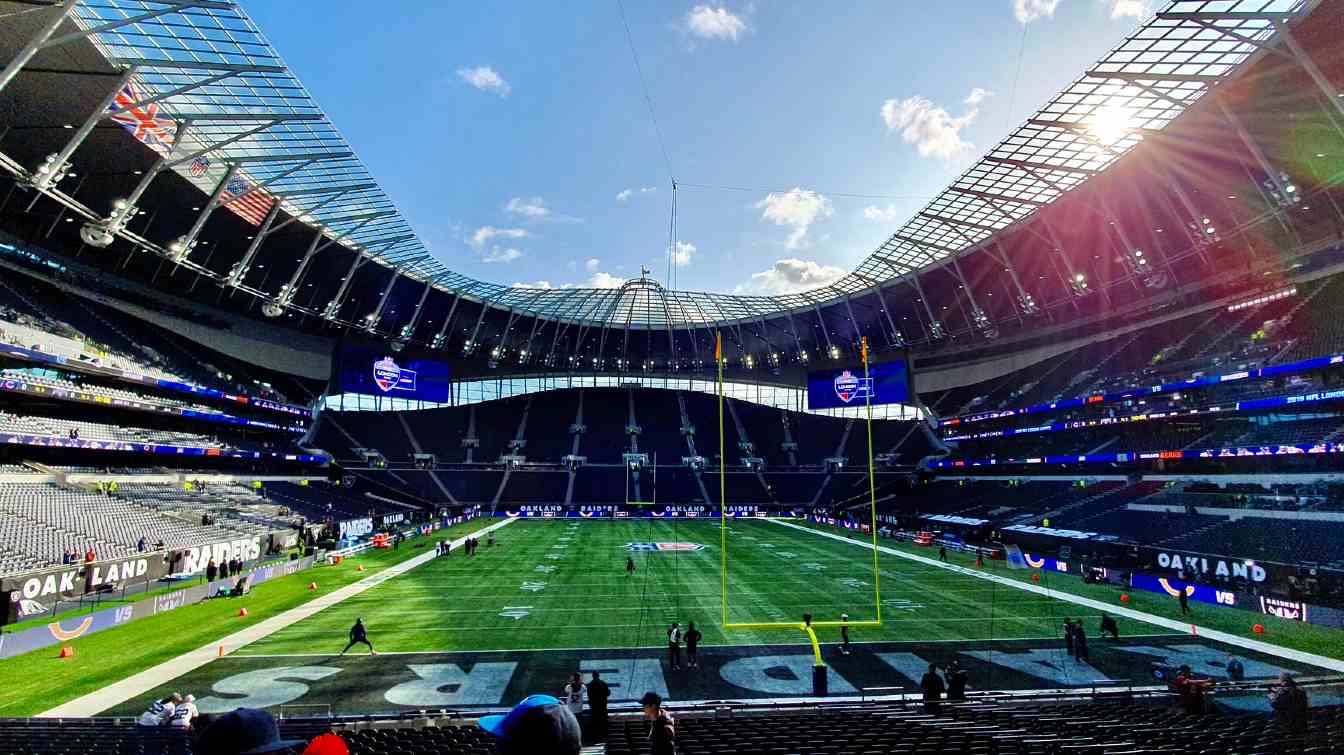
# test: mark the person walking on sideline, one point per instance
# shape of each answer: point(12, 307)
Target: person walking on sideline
point(629, 566)
point(598, 695)
point(359, 635)
point(1184, 598)
point(674, 646)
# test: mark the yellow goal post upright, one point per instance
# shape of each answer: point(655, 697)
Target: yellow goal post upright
point(807, 627)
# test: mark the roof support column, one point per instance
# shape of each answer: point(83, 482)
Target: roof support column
point(471, 344)
point(180, 248)
point(1273, 175)
point(244, 265)
point(821, 323)
point(333, 307)
point(897, 338)
point(1304, 60)
point(936, 331)
point(35, 44)
point(441, 338)
point(54, 169)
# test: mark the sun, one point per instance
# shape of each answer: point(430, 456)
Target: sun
point(1110, 124)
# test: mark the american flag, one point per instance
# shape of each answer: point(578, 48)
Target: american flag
point(143, 122)
point(253, 207)
point(199, 166)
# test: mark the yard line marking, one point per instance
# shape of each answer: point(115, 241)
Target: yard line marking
point(1291, 654)
point(663, 646)
point(138, 684)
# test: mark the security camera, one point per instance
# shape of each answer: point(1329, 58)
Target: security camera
point(95, 235)
point(271, 309)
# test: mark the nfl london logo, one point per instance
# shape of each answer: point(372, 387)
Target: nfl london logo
point(386, 374)
point(846, 386)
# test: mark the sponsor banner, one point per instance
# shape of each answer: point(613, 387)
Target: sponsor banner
point(355, 527)
point(1312, 449)
point(41, 589)
point(56, 632)
point(47, 441)
point(390, 519)
point(1211, 566)
point(195, 560)
point(965, 521)
point(91, 367)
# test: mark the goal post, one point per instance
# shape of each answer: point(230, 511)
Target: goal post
point(807, 627)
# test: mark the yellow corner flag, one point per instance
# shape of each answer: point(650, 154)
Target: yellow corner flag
point(718, 347)
point(863, 346)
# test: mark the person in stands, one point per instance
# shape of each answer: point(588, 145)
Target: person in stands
point(90, 556)
point(956, 681)
point(245, 730)
point(1108, 626)
point(1235, 670)
point(598, 695)
point(1190, 691)
point(1290, 704)
point(538, 724)
point(160, 711)
point(932, 687)
point(662, 727)
point(359, 635)
point(183, 714)
point(574, 695)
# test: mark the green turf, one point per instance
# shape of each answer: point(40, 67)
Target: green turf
point(569, 578)
point(1284, 632)
point(38, 681)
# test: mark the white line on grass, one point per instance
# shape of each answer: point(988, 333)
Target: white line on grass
point(138, 684)
point(1213, 634)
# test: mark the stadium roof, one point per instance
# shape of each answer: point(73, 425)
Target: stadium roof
point(236, 106)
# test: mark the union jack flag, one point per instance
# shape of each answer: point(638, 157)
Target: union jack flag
point(144, 122)
point(252, 207)
point(199, 166)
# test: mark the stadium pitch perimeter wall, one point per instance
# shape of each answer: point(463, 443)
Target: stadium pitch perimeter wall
point(18, 643)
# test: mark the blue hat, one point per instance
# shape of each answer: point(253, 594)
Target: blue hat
point(538, 724)
point(245, 731)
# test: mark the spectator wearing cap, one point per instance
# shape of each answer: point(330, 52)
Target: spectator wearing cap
point(539, 725)
point(245, 731)
point(662, 727)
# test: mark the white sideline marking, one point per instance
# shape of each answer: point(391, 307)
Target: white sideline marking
point(138, 684)
point(1213, 634)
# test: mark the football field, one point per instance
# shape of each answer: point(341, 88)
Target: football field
point(553, 595)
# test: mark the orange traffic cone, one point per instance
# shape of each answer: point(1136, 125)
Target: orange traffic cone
point(312, 585)
point(221, 651)
point(242, 611)
point(360, 567)
point(67, 652)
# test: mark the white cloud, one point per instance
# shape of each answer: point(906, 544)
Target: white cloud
point(533, 208)
point(624, 195)
point(485, 233)
point(542, 284)
point(592, 264)
point(501, 254)
point(791, 275)
point(708, 22)
point(881, 214)
point(1127, 8)
point(604, 280)
point(1026, 11)
point(485, 79)
point(682, 253)
point(797, 209)
point(933, 130)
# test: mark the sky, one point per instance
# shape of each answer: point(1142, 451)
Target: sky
point(526, 145)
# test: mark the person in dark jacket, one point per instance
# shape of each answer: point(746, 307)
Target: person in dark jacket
point(211, 571)
point(1068, 636)
point(956, 681)
point(1080, 642)
point(1290, 704)
point(662, 727)
point(359, 635)
point(932, 686)
point(598, 695)
point(1108, 626)
point(693, 638)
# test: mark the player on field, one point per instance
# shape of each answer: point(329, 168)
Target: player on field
point(160, 711)
point(844, 634)
point(359, 635)
point(184, 713)
point(629, 566)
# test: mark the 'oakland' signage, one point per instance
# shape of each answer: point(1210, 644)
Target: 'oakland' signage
point(1218, 567)
point(78, 579)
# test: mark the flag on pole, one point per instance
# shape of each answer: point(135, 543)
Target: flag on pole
point(718, 348)
point(144, 122)
point(246, 201)
point(863, 346)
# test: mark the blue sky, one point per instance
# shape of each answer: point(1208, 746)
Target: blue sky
point(516, 137)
